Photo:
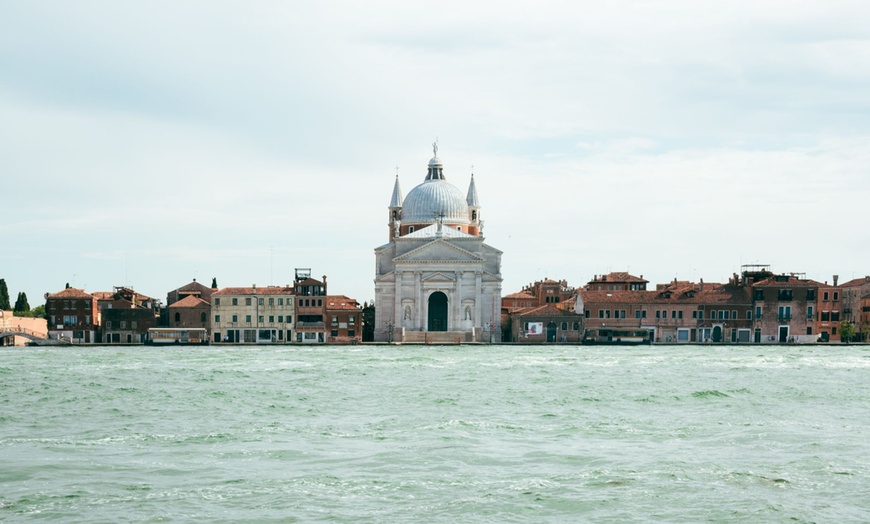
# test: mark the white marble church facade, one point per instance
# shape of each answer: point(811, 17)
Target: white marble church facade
point(436, 280)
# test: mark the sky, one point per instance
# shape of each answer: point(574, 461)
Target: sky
point(145, 144)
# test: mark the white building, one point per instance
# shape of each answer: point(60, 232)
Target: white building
point(436, 280)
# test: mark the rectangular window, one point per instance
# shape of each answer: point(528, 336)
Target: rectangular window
point(108, 324)
point(260, 301)
point(351, 332)
point(734, 314)
point(637, 313)
point(836, 296)
point(334, 320)
point(726, 314)
point(334, 332)
point(658, 313)
point(826, 316)
point(271, 319)
point(712, 314)
point(217, 318)
point(352, 320)
point(260, 319)
point(123, 324)
point(758, 294)
point(564, 326)
point(695, 314)
point(700, 314)
point(271, 301)
point(680, 314)
point(247, 301)
point(835, 316)
point(576, 326)
point(134, 324)
point(235, 302)
point(784, 313)
point(600, 313)
point(674, 314)
point(748, 314)
point(757, 312)
point(235, 318)
point(811, 295)
point(280, 301)
point(586, 313)
point(280, 319)
point(217, 302)
point(784, 294)
point(825, 296)
point(809, 312)
point(248, 318)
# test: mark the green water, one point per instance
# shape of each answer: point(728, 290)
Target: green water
point(435, 434)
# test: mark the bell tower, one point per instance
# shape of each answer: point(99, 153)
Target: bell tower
point(396, 208)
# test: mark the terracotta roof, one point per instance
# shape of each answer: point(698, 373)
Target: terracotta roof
point(193, 286)
point(791, 282)
point(856, 282)
point(713, 293)
point(190, 302)
point(547, 310)
point(617, 276)
point(268, 290)
point(71, 292)
point(521, 294)
point(103, 295)
point(341, 302)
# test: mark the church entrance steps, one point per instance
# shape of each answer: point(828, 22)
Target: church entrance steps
point(436, 337)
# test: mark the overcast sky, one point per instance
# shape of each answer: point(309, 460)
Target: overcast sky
point(149, 143)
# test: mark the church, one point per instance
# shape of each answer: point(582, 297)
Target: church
point(436, 280)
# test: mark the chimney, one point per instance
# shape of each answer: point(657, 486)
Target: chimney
point(702, 285)
point(836, 278)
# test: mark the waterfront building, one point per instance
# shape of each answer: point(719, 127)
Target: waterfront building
point(72, 316)
point(253, 315)
point(126, 316)
point(546, 323)
point(345, 319)
point(828, 311)
point(677, 312)
point(310, 307)
point(854, 293)
point(190, 312)
point(193, 289)
point(784, 309)
point(436, 280)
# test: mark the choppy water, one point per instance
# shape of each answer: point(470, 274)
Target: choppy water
point(435, 434)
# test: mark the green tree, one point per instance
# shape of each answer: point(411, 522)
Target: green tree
point(847, 330)
point(21, 305)
point(4, 295)
point(214, 282)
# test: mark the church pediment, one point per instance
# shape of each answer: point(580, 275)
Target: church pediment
point(438, 277)
point(439, 251)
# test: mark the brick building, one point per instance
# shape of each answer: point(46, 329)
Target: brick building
point(784, 309)
point(345, 320)
point(126, 316)
point(72, 316)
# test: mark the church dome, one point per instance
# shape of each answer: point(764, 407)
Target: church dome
point(434, 198)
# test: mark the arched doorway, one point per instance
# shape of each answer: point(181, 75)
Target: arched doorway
point(551, 332)
point(438, 311)
point(717, 333)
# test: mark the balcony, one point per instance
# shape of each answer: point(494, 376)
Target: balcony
point(783, 318)
point(310, 325)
